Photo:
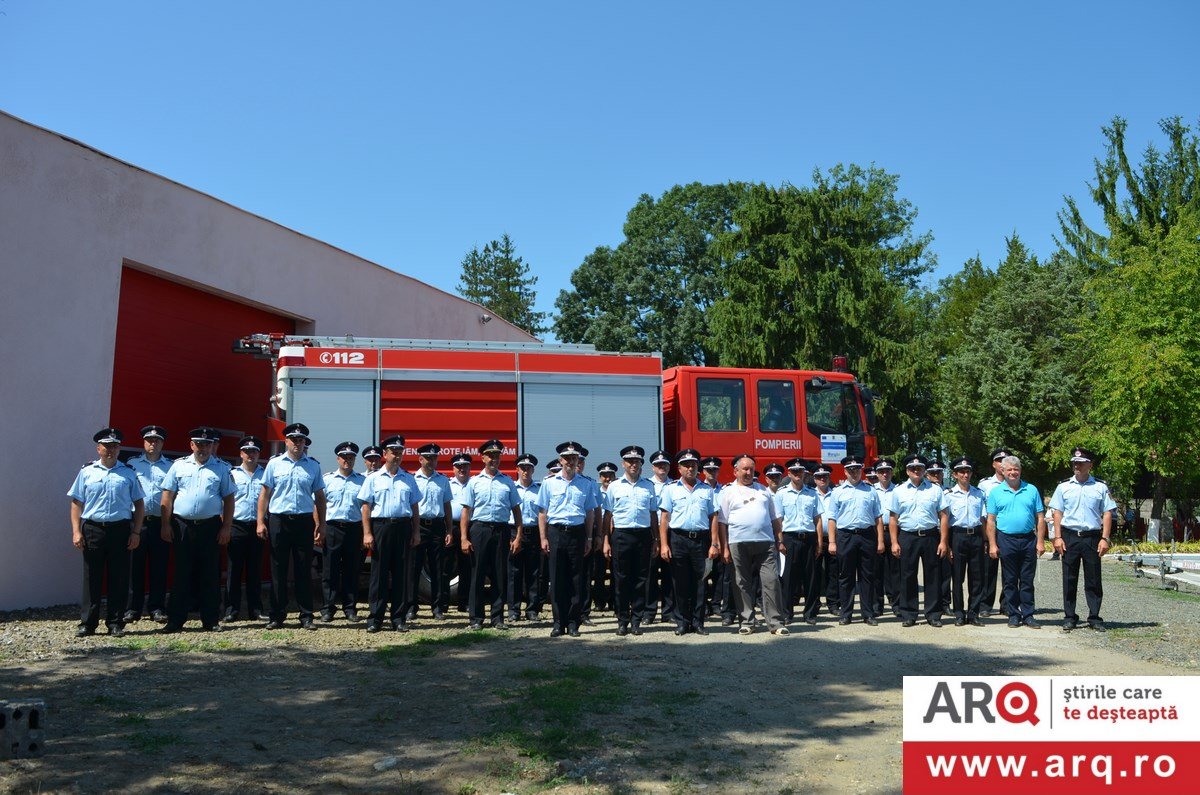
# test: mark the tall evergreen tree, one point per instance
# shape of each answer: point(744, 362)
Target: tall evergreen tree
point(499, 280)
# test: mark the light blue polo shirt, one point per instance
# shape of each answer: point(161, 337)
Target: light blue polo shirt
point(491, 499)
point(435, 493)
point(529, 510)
point(1015, 511)
point(150, 475)
point(390, 496)
point(565, 501)
point(107, 494)
point(245, 499)
point(293, 484)
point(799, 508)
point(853, 507)
point(341, 496)
point(631, 504)
point(918, 507)
point(690, 509)
point(1083, 505)
point(200, 489)
point(967, 508)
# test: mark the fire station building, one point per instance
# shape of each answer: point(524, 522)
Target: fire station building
point(123, 293)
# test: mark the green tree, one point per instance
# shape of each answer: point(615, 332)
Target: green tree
point(831, 268)
point(652, 292)
point(1142, 352)
point(499, 280)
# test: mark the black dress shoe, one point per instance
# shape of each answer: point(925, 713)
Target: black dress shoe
point(587, 622)
point(438, 615)
point(843, 621)
point(514, 617)
point(622, 630)
point(130, 617)
point(171, 629)
point(215, 628)
point(532, 616)
point(273, 624)
point(1033, 623)
point(909, 622)
point(637, 629)
point(960, 621)
point(475, 625)
point(1068, 625)
point(727, 621)
point(680, 630)
point(1013, 623)
point(934, 622)
point(699, 629)
point(556, 632)
point(498, 624)
point(159, 617)
point(116, 631)
point(974, 621)
point(255, 615)
point(1097, 625)
point(351, 614)
point(307, 623)
point(985, 613)
point(373, 627)
point(812, 622)
point(83, 632)
point(870, 622)
point(229, 618)
point(400, 626)
point(326, 616)
point(573, 631)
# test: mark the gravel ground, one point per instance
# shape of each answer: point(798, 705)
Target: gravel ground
point(444, 710)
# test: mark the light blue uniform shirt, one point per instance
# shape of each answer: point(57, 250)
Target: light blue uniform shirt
point(491, 499)
point(435, 493)
point(150, 475)
point(690, 509)
point(659, 485)
point(107, 494)
point(885, 500)
point(199, 489)
point(918, 507)
point(631, 504)
point(597, 492)
point(987, 484)
point(1016, 511)
point(245, 499)
point(823, 502)
point(456, 490)
point(341, 496)
point(967, 508)
point(565, 501)
point(1082, 504)
point(853, 507)
point(528, 495)
point(390, 497)
point(799, 508)
point(293, 484)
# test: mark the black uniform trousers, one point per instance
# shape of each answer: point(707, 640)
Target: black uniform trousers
point(245, 566)
point(689, 553)
point(856, 551)
point(340, 565)
point(969, 546)
point(291, 544)
point(455, 561)
point(148, 569)
point(603, 588)
point(489, 542)
point(801, 575)
point(660, 590)
point(525, 574)
point(1081, 549)
point(566, 573)
point(726, 585)
point(887, 575)
point(426, 558)
point(105, 549)
point(389, 568)
point(920, 550)
point(991, 574)
point(631, 569)
point(197, 570)
point(832, 565)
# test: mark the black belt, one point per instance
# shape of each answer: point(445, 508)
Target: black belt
point(1081, 533)
point(198, 521)
point(928, 531)
point(857, 529)
point(115, 523)
point(343, 522)
point(631, 529)
point(971, 531)
point(799, 532)
point(493, 525)
point(694, 535)
point(568, 526)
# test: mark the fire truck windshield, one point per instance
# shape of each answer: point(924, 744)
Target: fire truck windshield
point(832, 407)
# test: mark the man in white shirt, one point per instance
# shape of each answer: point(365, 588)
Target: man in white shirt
point(754, 531)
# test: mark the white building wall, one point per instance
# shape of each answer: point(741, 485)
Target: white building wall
point(69, 218)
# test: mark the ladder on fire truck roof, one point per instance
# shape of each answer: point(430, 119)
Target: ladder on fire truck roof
point(267, 345)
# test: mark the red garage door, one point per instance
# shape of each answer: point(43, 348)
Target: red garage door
point(173, 365)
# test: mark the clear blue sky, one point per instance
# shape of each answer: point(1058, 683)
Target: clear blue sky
point(407, 133)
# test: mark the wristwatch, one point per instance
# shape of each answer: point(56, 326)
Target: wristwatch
point(1106, 540)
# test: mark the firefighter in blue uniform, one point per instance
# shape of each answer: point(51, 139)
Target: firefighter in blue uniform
point(830, 567)
point(689, 539)
point(887, 567)
point(292, 489)
point(390, 515)
point(1083, 512)
point(967, 508)
point(855, 527)
point(604, 582)
point(491, 508)
point(456, 561)
point(436, 526)
point(107, 507)
point(630, 525)
point(245, 547)
point(197, 507)
point(920, 531)
point(566, 507)
point(594, 549)
point(525, 565)
point(719, 593)
point(660, 589)
point(991, 571)
point(343, 553)
point(149, 561)
point(800, 511)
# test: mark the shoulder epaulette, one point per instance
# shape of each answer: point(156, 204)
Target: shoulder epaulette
point(1098, 480)
point(1066, 480)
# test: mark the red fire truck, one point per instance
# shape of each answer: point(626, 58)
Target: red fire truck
point(533, 396)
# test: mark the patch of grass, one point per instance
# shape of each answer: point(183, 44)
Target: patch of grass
point(1137, 633)
point(183, 645)
point(679, 784)
point(426, 646)
point(150, 742)
point(278, 634)
point(467, 789)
